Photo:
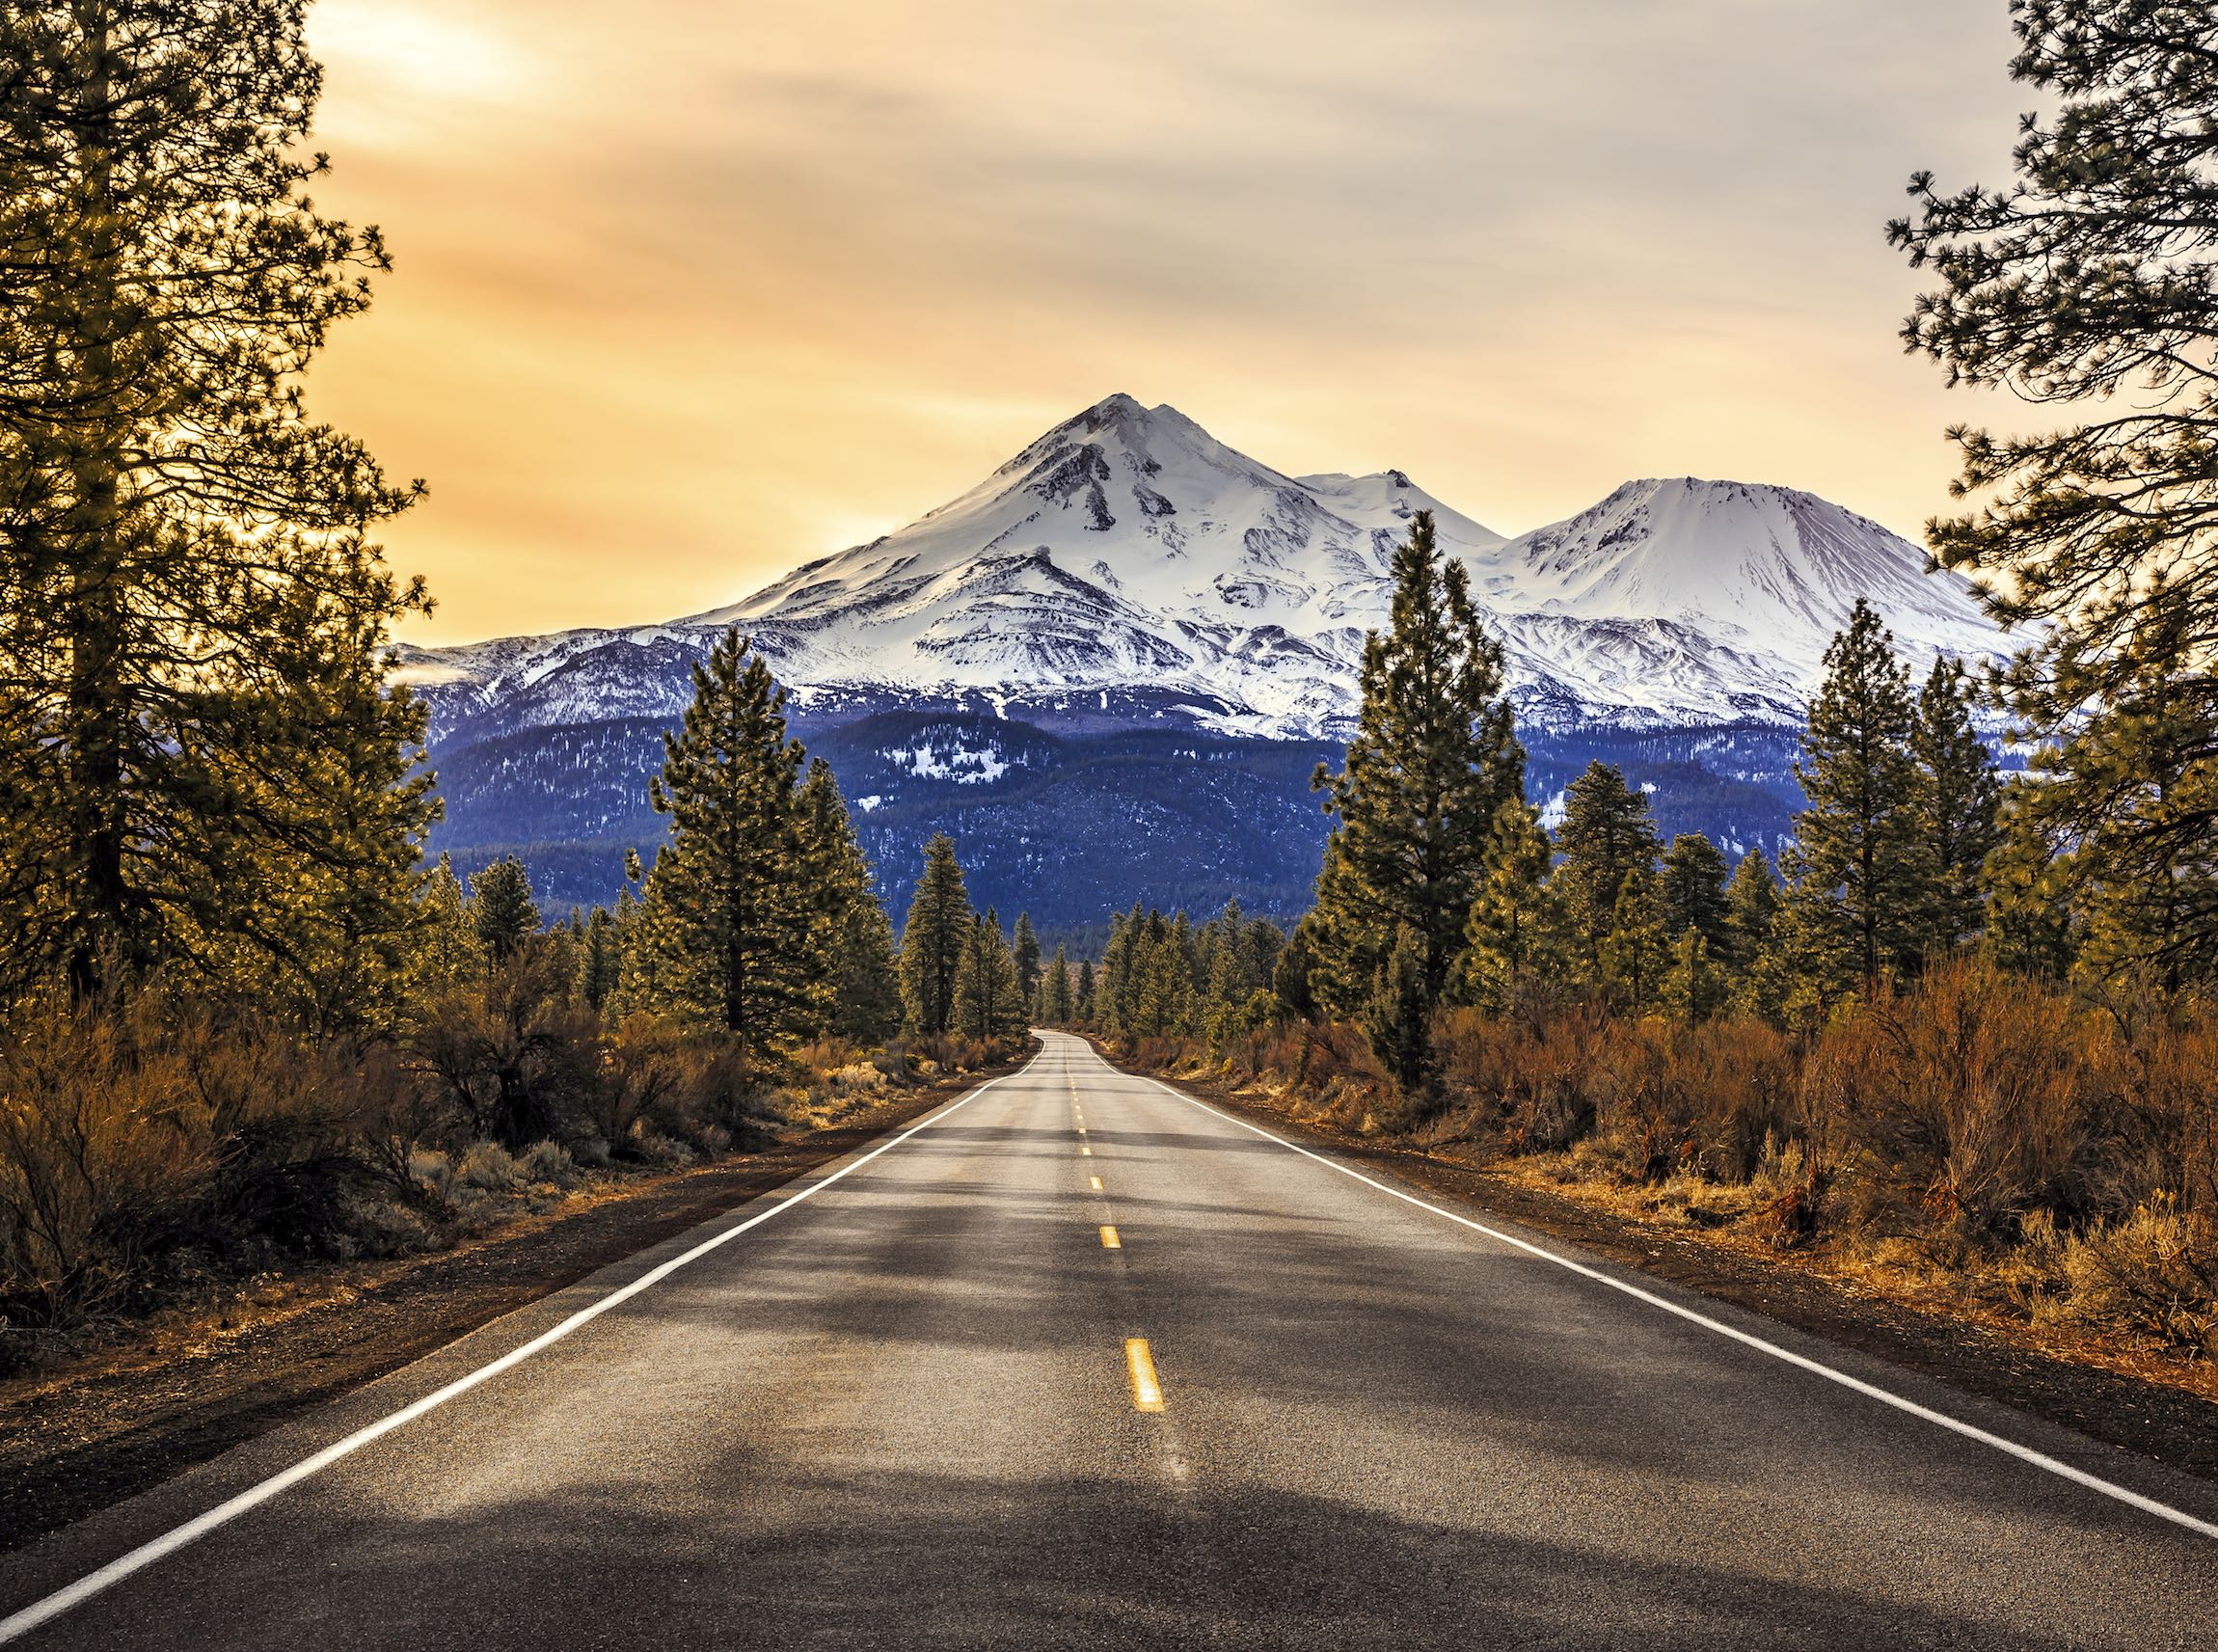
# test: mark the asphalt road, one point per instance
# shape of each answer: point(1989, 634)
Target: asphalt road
point(907, 1412)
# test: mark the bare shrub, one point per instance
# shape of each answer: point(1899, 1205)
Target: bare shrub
point(515, 1053)
point(1974, 1094)
point(2154, 1271)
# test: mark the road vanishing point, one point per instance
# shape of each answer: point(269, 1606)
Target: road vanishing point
point(1079, 1360)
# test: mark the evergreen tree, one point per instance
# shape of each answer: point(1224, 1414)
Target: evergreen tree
point(1959, 796)
point(1025, 947)
point(1397, 1017)
point(1056, 1007)
point(1292, 975)
point(1694, 889)
point(600, 959)
point(1636, 950)
point(1752, 902)
point(934, 937)
point(1083, 1008)
point(989, 1000)
point(1693, 987)
point(1858, 864)
point(202, 764)
point(2031, 926)
point(1604, 836)
point(1515, 932)
point(2090, 285)
point(1434, 756)
point(864, 973)
point(502, 909)
point(448, 956)
point(745, 928)
point(2127, 804)
point(1162, 985)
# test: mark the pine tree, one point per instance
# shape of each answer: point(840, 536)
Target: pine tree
point(745, 929)
point(1636, 950)
point(1959, 796)
point(202, 764)
point(1604, 836)
point(1752, 902)
point(448, 956)
point(1693, 987)
point(1434, 756)
point(1397, 1017)
point(1858, 865)
point(1056, 1007)
point(2127, 804)
point(2089, 285)
point(2032, 928)
point(1025, 947)
point(1693, 879)
point(1515, 932)
point(864, 974)
point(1083, 1008)
point(1292, 975)
point(989, 1000)
point(934, 937)
point(502, 909)
point(600, 959)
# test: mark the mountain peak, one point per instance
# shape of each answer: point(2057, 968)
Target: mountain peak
point(1126, 555)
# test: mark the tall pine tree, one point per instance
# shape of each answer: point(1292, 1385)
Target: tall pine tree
point(202, 762)
point(2091, 285)
point(933, 939)
point(745, 933)
point(1693, 877)
point(1515, 932)
point(1605, 834)
point(1959, 796)
point(1434, 757)
point(1858, 865)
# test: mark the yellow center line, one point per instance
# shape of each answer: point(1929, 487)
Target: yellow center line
point(1085, 1152)
point(1140, 1366)
point(1109, 1239)
point(1096, 1181)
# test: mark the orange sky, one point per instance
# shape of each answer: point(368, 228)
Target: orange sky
point(688, 292)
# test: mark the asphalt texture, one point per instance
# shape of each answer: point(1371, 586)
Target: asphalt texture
point(902, 1413)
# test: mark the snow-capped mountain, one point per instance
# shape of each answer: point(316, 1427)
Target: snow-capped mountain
point(1128, 567)
point(1111, 666)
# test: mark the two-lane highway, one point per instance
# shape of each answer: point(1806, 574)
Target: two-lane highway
point(1081, 1361)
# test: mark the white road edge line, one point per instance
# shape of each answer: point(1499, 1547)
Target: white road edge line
point(1970, 1431)
point(21, 1623)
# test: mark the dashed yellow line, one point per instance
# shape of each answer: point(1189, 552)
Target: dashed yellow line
point(1109, 1239)
point(1085, 1152)
point(1140, 1367)
point(1096, 1181)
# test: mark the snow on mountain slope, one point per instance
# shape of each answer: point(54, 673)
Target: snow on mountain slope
point(1765, 568)
point(1128, 556)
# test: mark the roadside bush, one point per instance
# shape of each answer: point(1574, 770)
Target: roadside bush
point(143, 1137)
point(2154, 1271)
